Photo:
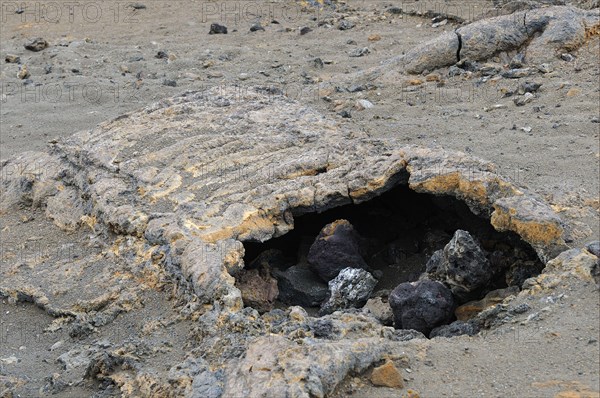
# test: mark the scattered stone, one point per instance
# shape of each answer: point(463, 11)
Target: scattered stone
point(529, 87)
point(489, 69)
point(335, 248)
point(433, 77)
point(374, 37)
point(421, 305)
point(136, 58)
point(567, 57)
point(380, 310)
point(345, 114)
point(161, 54)
point(495, 107)
point(594, 248)
point(305, 30)
point(345, 25)
point(526, 129)
point(545, 68)
point(517, 62)
point(35, 45)
point(259, 289)
point(595, 119)
point(525, 99)
point(351, 42)
point(456, 328)
point(216, 29)
point(356, 88)
point(520, 308)
point(243, 76)
point(350, 289)
point(12, 59)
point(257, 27)
point(318, 63)
point(359, 52)
point(170, 83)
point(394, 10)
point(363, 104)
point(438, 24)
point(138, 6)
point(517, 73)
point(23, 72)
point(299, 285)
point(462, 265)
point(387, 375)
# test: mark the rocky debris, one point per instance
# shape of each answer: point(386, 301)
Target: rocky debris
point(567, 57)
point(394, 10)
point(472, 308)
point(387, 375)
point(545, 68)
point(524, 99)
point(345, 25)
point(529, 87)
point(542, 31)
point(350, 289)
point(421, 305)
point(594, 248)
point(35, 45)
point(517, 73)
point(462, 265)
point(216, 29)
point(336, 247)
point(456, 328)
point(363, 104)
point(259, 289)
point(299, 285)
point(162, 54)
point(359, 52)
point(257, 27)
point(517, 62)
point(380, 310)
point(520, 271)
point(305, 30)
point(23, 72)
point(12, 59)
point(170, 83)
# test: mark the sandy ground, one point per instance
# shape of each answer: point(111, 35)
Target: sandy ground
point(102, 61)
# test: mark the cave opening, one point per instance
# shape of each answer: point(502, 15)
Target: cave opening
point(395, 237)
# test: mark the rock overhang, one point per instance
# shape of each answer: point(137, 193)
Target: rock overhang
point(205, 171)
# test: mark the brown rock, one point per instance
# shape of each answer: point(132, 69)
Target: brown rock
point(472, 308)
point(259, 290)
point(387, 375)
point(374, 38)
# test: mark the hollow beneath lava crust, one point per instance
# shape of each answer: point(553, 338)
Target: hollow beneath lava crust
point(399, 231)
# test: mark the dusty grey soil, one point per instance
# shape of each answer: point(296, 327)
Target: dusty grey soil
point(103, 65)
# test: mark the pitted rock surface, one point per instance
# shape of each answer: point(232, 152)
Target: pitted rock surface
point(180, 185)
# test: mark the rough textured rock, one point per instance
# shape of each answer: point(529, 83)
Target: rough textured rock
point(299, 285)
point(259, 289)
point(387, 375)
point(350, 289)
point(337, 247)
point(380, 310)
point(170, 192)
point(462, 265)
point(546, 32)
point(456, 328)
point(594, 248)
point(472, 308)
point(421, 305)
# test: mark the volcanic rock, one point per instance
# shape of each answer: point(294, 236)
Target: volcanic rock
point(456, 328)
point(216, 29)
point(462, 266)
point(335, 248)
point(35, 45)
point(259, 289)
point(421, 305)
point(350, 289)
point(299, 285)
